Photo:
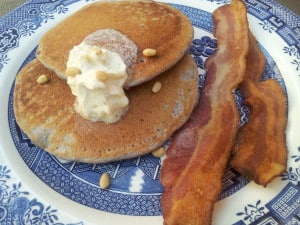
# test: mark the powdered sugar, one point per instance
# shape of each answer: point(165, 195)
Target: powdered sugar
point(115, 41)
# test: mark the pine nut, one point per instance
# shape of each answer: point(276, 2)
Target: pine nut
point(104, 181)
point(156, 87)
point(159, 152)
point(72, 71)
point(98, 51)
point(149, 52)
point(88, 58)
point(42, 79)
point(101, 76)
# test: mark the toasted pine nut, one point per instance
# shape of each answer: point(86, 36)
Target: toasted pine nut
point(104, 181)
point(101, 76)
point(72, 71)
point(149, 52)
point(98, 51)
point(156, 87)
point(88, 58)
point(42, 79)
point(159, 152)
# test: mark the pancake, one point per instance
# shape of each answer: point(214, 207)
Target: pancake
point(148, 24)
point(46, 114)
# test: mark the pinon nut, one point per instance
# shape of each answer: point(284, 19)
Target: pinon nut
point(72, 71)
point(159, 152)
point(42, 79)
point(98, 51)
point(101, 76)
point(88, 58)
point(148, 52)
point(104, 181)
point(156, 87)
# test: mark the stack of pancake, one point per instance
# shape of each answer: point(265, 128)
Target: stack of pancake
point(46, 111)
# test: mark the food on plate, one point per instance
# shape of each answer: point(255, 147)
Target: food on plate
point(157, 29)
point(130, 57)
point(96, 77)
point(260, 152)
point(104, 181)
point(46, 114)
point(158, 152)
point(199, 151)
point(114, 82)
point(42, 79)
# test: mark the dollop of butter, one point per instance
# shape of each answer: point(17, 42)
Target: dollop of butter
point(98, 86)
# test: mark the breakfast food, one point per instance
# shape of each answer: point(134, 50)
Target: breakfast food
point(96, 77)
point(201, 149)
point(199, 152)
point(104, 181)
point(163, 31)
point(46, 114)
point(110, 82)
point(153, 104)
point(260, 152)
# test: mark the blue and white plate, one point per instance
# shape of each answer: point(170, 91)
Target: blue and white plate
point(38, 188)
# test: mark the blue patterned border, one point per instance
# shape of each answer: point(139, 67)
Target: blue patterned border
point(284, 209)
point(276, 18)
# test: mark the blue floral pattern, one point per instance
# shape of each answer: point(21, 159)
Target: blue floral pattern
point(203, 48)
point(283, 209)
point(9, 39)
point(34, 15)
point(252, 212)
point(17, 207)
point(266, 25)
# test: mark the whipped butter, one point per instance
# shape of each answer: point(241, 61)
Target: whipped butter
point(98, 86)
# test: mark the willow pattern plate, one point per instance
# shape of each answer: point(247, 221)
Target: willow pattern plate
point(38, 188)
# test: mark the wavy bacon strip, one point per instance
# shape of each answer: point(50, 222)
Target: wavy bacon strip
point(199, 151)
point(260, 152)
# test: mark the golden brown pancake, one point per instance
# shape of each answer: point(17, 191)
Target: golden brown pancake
point(46, 114)
point(148, 24)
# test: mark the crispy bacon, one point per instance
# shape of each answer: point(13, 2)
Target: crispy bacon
point(260, 152)
point(199, 151)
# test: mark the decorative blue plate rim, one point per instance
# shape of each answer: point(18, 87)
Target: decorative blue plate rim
point(273, 20)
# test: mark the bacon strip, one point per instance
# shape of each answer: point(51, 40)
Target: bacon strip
point(260, 151)
point(199, 151)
